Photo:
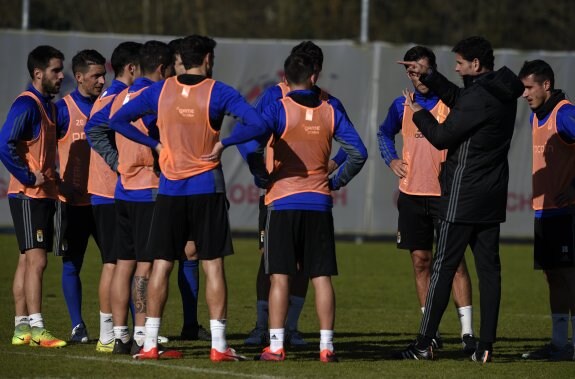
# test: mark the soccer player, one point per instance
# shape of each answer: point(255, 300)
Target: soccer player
point(418, 201)
point(477, 135)
point(188, 275)
point(28, 142)
point(553, 127)
point(135, 195)
point(191, 204)
point(299, 284)
point(102, 181)
point(74, 218)
point(298, 198)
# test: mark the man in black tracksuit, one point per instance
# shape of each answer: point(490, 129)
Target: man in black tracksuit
point(477, 134)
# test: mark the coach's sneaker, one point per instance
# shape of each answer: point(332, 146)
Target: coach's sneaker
point(294, 338)
point(22, 334)
point(198, 333)
point(483, 356)
point(437, 343)
point(469, 344)
point(43, 338)
point(258, 337)
point(121, 347)
point(412, 352)
point(228, 355)
point(327, 356)
point(268, 355)
point(79, 334)
point(105, 347)
point(551, 352)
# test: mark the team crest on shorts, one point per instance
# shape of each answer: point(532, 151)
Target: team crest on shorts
point(398, 237)
point(39, 235)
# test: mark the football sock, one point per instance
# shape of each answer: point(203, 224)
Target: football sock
point(218, 329)
point(122, 333)
point(326, 340)
point(72, 288)
point(294, 310)
point(152, 330)
point(466, 319)
point(21, 320)
point(36, 320)
point(262, 307)
point(276, 339)
point(106, 328)
point(560, 329)
point(188, 283)
point(139, 334)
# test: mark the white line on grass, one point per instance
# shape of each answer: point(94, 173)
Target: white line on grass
point(149, 363)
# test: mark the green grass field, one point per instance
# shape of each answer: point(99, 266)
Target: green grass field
point(377, 313)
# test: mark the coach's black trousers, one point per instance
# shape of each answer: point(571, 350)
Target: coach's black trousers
point(451, 244)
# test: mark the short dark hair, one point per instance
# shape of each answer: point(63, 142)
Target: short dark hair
point(124, 54)
point(155, 53)
point(540, 70)
point(476, 47)
point(194, 48)
point(175, 44)
point(298, 68)
point(40, 58)
point(419, 52)
point(83, 59)
point(311, 49)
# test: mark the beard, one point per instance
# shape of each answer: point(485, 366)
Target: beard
point(50, 87)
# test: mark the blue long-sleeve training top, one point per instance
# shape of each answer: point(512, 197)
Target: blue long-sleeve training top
point(223, 100)
point(344, 133)
point(22, 124)
point(101, 137)
point(391, 126)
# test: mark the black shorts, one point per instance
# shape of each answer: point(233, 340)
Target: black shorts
point(199, 218)
point(553, 245)
point(298, 240)
point(73, 226)
point(105, 219)
point(134, 220)
point(33, 222)
point(417, 221)
point(262, 217)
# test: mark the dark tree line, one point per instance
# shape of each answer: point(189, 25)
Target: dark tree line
point(527, 24)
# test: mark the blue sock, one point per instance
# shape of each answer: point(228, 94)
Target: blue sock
point(132, 311)
point(72, 287)
point(188, 282)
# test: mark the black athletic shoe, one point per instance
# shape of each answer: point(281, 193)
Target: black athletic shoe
point(483, 356)
point(121, 347)
point(198, 333)
point(437, 343)
point(469, 344)
point(414, 353)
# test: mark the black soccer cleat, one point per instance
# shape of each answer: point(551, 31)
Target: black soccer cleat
point(413, 353)
point(469, 344)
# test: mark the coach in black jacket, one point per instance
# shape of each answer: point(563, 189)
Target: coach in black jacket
point(477, 134)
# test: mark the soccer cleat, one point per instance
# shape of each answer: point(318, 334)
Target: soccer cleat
point(121, 347)
point(258, 337)
point(437, 343)
point(228, 355)
point(327, 356)
point(412, 352)
point(43, 338)
point(268, 355)
point(105, 347)
point(162, 339)
point(198, 333)
point(158, 353)
point(551, 352)
point(469, 344)
point(136, 347)
point(22, 335)
point(481, 356)
point(79, 334)
point(294, 338)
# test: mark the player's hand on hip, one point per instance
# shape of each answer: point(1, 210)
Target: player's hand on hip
point(216, 153)
point(40, 178)
point(399, 168)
